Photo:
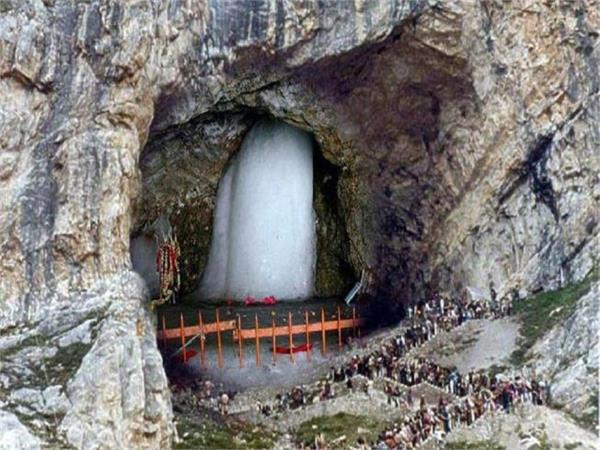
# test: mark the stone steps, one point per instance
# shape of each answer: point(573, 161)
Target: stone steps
point(430, 443)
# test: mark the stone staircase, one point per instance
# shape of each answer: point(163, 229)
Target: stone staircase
point(431, 444)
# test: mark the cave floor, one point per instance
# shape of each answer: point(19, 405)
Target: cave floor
point(283, 371)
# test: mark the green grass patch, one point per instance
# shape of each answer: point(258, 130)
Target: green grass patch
point(589, 419)
point(5, 6)
point(210, 434)
point(544, 444)
point(62, 367)
point(478, 445)
point(333, 427)
point(539, 313)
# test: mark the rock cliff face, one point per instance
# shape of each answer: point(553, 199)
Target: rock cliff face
point(569, 355)
point(464, 135)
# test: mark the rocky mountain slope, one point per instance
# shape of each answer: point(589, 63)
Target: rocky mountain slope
point(464, 137)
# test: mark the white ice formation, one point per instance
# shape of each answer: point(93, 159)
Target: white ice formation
point(263, 239)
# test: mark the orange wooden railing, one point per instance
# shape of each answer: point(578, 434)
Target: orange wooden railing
point(257, 333)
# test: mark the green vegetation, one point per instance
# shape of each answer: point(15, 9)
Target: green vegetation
point(589, 419)
point(542, 311)
point(17, 346)
point(5, 6)
point(333, 427)
point(479, 445)
point(544, 444)
point(63, 366)
point(496, 369)
point(208, 433)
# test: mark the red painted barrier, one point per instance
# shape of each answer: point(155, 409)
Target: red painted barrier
point(256, 333)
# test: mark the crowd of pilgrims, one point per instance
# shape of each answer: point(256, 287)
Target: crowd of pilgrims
point(473, 393)
point(479, 394)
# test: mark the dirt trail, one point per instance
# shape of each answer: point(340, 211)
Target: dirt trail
point(479, 344)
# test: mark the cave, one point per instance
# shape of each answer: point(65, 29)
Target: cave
point(454, 150)
point(240, 232)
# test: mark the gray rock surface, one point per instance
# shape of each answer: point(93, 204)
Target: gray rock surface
point(14, 435)
point(569, 356)
point(466, 137)
point(525, 429)
point(477, 345)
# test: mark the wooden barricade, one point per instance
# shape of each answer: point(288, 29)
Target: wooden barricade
point(256, 333)
point(201, 339)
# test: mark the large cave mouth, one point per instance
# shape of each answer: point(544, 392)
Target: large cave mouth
point(259, 216)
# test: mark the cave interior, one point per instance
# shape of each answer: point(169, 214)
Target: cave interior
point(181, 174)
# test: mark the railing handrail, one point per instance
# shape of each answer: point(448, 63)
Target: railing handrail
point(239, 333)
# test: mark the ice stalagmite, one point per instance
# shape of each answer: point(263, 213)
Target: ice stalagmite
point(263, 239)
